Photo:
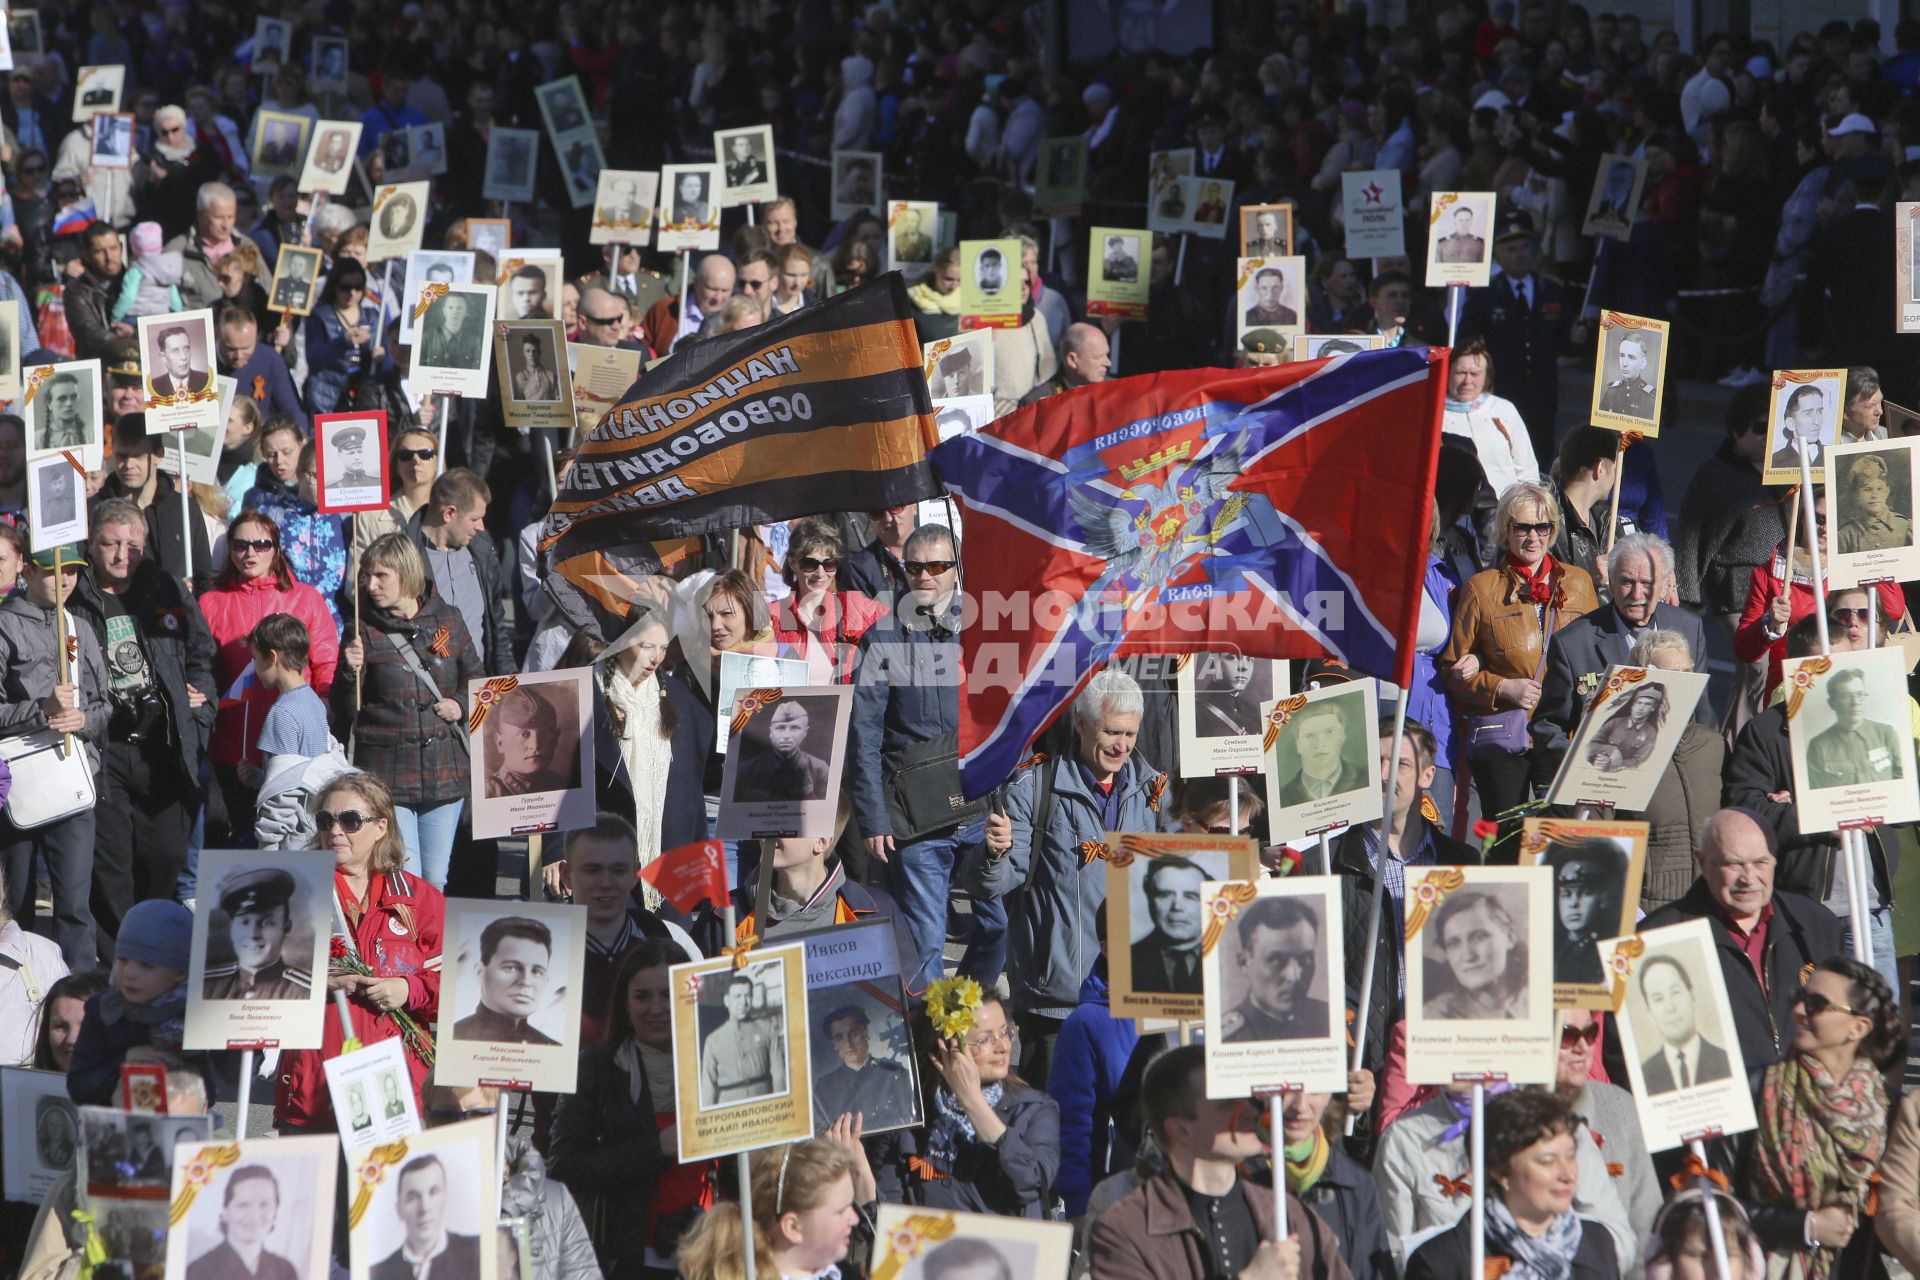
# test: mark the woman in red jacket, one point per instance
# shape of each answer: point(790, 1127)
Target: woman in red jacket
point(394, 921)
point(256, 582)
point(821, 620)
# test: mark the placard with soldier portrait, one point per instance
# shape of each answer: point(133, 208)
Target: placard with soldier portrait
point(397, 221)
point(258, 1208)
point(61, 403)
point(913, 1242)
point(1275, 982)
point(177, 367)
point(452, 340)
point(1873, 491)
point(863, 1062)
point(1851, 743)
point(1322, 759)
point(350, 458)
point(41, 1127)
point(576, 144)
point(1374, 217)
point(1803, 421)
point(689, 214)
point(272, 45)
point(199, 448)
point(56, 503)
point(911, 228)
point(23, 36)
point(1324, 346)
point(330, 157)
point(959, 366)
point(1480, 974)
point(990, 289)
point(623, 207)
point(296, 280)
point(531, 745)
point(1629, 373)
point(112, 142)
point(741, 1050)
point(279, 144)
point(1677, 1034)
point(129, 1156)
point(1166, 209)
point(530, 364)
point(1621, 747)
point(327, 64)
point(1221, 695)
point(429, 267)
point(1156, 917)
point(1597, 868)
point(1060, 177)
point(785, 751)
point(258, 974)
point(857, 183)
point(1205, 202)
point(372, 1093)
point(438, 1189)
point(1119, 272)
point(1271, 294)
point(748, 167)
point(97, 90)
point(1615, 202)
point(512, 158)
point(1460, 238)
point(528, 281)
point(510, 995)
point(1266, 231)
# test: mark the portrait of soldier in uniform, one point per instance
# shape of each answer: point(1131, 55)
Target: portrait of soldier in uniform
point(1270, 309)
point(1228, 689)
point(522, 734)
point(1869, 520)
point(1268, 985)
point(1320, 735)
point(1461, 243)
point(1630, 731)
point(1589, 881)
point(878, 1091)
point(744, 1059)
point(1121, 261)
point(453, 333)
point(1856, 748)
point(746, 167)
point(1630, 393)
point(1167, 960)
point(781, 768)
point(536, 380)
point(516, 960)
point(910, 243)
point(258, 905)
point(1265, 238)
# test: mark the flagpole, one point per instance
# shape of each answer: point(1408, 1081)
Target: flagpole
point(1477, 1146)
point(1456, 302)
point(1367, 971)
point(186, 508)
point(746, 1167)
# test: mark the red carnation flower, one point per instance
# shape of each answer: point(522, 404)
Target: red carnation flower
point(337, 947)
point(1486, 829)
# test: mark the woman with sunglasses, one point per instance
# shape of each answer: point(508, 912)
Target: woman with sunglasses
point(1607, 1113)
point(820, 620)
point(256, 581)
point(343, 337)
point(394, 921)
point(1807, 1173)
point(1502, 621)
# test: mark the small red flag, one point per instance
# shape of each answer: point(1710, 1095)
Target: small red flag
point(692, 874)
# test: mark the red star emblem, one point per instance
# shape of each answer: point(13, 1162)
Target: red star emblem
point(1372, 193)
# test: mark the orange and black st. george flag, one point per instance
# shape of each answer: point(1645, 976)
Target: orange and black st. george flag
point(822, 410)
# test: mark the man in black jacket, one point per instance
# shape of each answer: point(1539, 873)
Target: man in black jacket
point(462, 563)
point(89, 299)
point(159, 680)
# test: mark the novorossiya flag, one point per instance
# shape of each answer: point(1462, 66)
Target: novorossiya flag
point(1277, 512)
point(826, 409)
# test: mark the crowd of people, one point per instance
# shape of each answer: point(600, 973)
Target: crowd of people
point(240, 669)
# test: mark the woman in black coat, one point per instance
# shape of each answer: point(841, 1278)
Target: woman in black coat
point(611, 1142)
point(1532, 1170)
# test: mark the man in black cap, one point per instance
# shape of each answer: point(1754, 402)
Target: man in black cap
point(257, 903)
point(1525, 321)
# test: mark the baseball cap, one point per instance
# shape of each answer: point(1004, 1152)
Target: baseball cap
point(1852, 122)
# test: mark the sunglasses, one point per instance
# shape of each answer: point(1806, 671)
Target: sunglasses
point(1570, 1037)
point(1544, 530)
point(1848, 617)
point(251, 544)
point(1816, 1004)
point(811, 564)
point(915, 568)
point(350, 822)
point(416, 455)
point(598, 319)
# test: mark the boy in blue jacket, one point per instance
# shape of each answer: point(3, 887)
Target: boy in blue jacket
point(144, 1005)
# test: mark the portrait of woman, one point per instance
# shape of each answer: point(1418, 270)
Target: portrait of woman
point(1589, 879)
point(1867, 521)
point(1626, 740)
point(1477, 959)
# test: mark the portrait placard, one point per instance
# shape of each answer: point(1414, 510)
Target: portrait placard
point(372, 1094)
point(959, 366)
point(741, 1048)
point(129, 1156)
point(1060, 177)
point(1324, 346)
point(327, 64)
point(351, 459)
point(56, 502)
point(862, 1060)
point(491, 236)
point(1906, 266)
point(425, 267)
point(279, 144)
point(428, 142)
point(177, 367)
point(97, 90)
point(510, 995)
point(600, 376)
point(1629, 373)
point(23, 35)
point(260, 1207)
point(329, 164)
point(1596, 868)
point(1272, 294)
point(1873, 489)
point(1804, 407)
point(405, 1196)
point(61, 403)
point(296, 280)
point(1221, 726)
point(623, 207)
point(529, 364)
point(6, 40)
point(258, 974)
point(689, 216)
point(272, 45)
point(1624, 740)
point(1156, 919)
point(1119, 265)
point(1374, 216)
point(112, 141)
point(1266, 231)
point(451, 350)
point(913, 1242)
point(857, 183)
point(1204, 203)
point(1275, 971)
point(785, 750)
point(951, 418)
point(990, 292)
point(1677, 1034)
point(1852, 748)
point(531, 743)
point(1166, 208)
point(199, 447)
point(511, 157)
point(1460, 238)
point(1480, 993)
point(397, 222)
point(42, 1129)
point(563, 106)
point(750, 671)
point(911, 225)
point(748, 166)
point(1322, 759)
point(528, 284)
point(1615, 202)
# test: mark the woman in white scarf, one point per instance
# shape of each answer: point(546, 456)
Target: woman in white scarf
point(643, 720)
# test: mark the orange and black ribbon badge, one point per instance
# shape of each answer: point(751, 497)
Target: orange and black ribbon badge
point(1038, 757)
point(1460, 1186)
point(1497, 1266)
point(1091, 849)
point(739, 953)
point(1695, 1169)
point(260, 387)
point(488, 697)
point(430, 293)
point(1429, 810)
point(1156, 789)
point(440, 647)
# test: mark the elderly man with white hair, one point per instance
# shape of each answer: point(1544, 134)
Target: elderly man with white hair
point(1036, 850)
point(209, 240)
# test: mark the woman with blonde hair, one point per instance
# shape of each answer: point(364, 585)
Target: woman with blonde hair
point(807, 1200)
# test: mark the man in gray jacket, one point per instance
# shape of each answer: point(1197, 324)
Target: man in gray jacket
point(33, 699)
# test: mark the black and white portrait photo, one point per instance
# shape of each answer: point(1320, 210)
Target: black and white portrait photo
point(112, 140)
point(1688, 1045)
point(294, 279)
point(272, 44)
point(1120, 259)
point(1266, 231)
point(990, 271)
point(437, 1202)
point(352, 457)
point(252, 930)
point(57, 488)
point(66, 411)
point(1853, 739)
point(1480, 991)
point(430, 266)
point(692, 200)
point(1228, 689)
point(1804, 423)
point(743, 1042)
point(624, 204)
point(56, 1132)
point(329, 165)
point(1626, 738)
point(1273, 988)
point(1167, 920)
point(178, 361)
point(1627, 390)
point(280, 144)
point(517, 976)
point(453, 332)
point(746, 165)
point(1323, 750)
point(1474, 948)
point(531, 741)
point(533, 367)
point(974, 1246)
point(784, 754)
point(1875, 492)
point(565, 110)
point(132, 1154)
point(745, 160)
point(510, 1000)
point(510, 164)
point(1589, 896)
point(529, 293)
point(1615, 201)
point(259, 948)
point(41, 1127)
point(856, 182)
point(958, 374)
point(911, 238)
point(328, 58)
point(399, 215)
point(23, 32)
point(864, 1065)
point(396, 150)
point(265, 1215)
point(1271, 294)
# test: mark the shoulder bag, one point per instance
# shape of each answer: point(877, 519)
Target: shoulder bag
point(51, 779)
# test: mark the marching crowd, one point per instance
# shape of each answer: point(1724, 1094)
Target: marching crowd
point(245, 670)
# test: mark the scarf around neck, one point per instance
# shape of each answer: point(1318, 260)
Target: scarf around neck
point(165, 1016)
point(1467, 406)
point(952, 1126)
point(647, 755)
point(1819, 1143)
point(1548, 1256)
point(1307, 1161)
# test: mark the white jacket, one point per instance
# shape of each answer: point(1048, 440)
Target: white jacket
point(1499, 436)
point(29, 964)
